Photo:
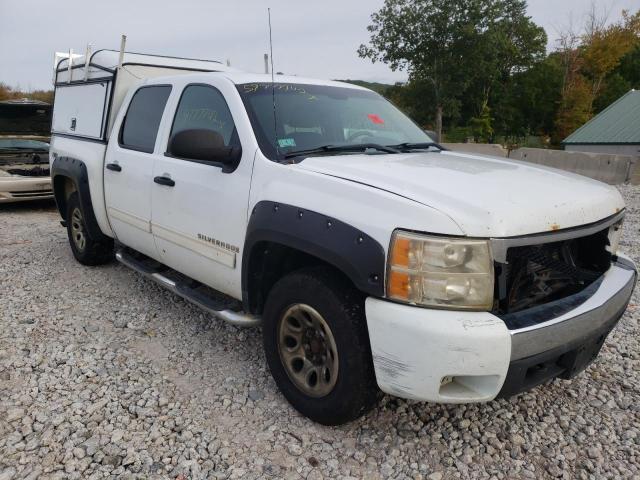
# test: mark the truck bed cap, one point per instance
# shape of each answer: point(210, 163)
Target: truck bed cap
point(103, 63)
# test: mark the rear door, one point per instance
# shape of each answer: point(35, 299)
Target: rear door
point(199, 219)
point(128, 174)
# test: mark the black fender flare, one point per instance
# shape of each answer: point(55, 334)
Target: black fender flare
point(76, 171)
point(357, 255)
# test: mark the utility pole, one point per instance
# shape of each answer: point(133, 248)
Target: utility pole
point(266, 63)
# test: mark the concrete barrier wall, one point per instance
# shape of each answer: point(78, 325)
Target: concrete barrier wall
point(611, 169)
point(482, 148)
point(635, 174)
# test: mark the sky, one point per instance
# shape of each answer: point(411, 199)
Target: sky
point(313, 39)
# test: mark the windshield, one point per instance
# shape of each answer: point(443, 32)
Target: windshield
point(22, 144)
point(309, 117)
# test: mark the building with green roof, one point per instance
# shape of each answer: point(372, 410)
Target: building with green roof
point(615, 130)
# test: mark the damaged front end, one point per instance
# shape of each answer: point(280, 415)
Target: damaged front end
point(25, 164)
point(24, 169)
point(24, 150)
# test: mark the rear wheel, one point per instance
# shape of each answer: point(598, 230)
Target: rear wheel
point(85, 249)
point(317, 346)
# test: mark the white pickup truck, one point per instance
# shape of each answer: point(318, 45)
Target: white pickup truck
point(373, 258)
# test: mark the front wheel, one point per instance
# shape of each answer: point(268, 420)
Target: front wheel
point(85, 249)
point(317, 346)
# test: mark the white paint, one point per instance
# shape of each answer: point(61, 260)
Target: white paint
point(414, 349)
point(487, 197)
point(92, 154)
point(184, 241)
point(135, 68)
point(130, 219)
point(128, 191)
point(81, 109)
point(204, 200)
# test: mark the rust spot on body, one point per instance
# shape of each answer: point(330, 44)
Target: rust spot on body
point(555, 226)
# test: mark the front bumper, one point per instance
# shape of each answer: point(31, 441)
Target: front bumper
point(459, 357)
point(18, 189)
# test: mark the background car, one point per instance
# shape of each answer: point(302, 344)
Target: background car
point(24, 150)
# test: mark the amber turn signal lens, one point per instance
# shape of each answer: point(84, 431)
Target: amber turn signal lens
point(398, 286)
point(441, 272)
point(400, 254)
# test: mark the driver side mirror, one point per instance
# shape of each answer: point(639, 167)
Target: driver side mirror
point(204, 146)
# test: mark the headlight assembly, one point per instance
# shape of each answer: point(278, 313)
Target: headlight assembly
point(454, 273)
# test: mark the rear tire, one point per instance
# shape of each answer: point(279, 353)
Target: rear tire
point(85, 249)
point(317, 346)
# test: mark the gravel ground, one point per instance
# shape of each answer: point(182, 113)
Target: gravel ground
point(104, 374)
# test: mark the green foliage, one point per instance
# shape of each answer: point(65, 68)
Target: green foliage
point(483, 63)
point(528, 105)
point(629, 67)
point(380, 88)
point(460, 50)
point(458, 135)
point(416, 99)
point(591, 79)
point(615, 87)
point(481, 126)
point(624, 77)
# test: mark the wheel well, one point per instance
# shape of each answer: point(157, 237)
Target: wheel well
point(63, 187)
point(268, 263)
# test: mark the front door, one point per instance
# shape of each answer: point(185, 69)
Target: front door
point(199, 217)
point(128, 174)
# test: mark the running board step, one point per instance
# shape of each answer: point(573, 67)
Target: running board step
point(188, 289)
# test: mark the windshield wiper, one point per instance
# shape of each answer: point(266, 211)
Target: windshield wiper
point(407, 146)
point(357, 147)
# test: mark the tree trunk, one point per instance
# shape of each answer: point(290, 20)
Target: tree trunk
point(439, 124)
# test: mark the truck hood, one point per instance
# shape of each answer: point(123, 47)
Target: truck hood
point(485, 196)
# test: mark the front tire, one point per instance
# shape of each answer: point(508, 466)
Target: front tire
point(317, 346)
point(85, 249)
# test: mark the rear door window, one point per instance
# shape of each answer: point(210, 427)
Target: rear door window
point(140, 126)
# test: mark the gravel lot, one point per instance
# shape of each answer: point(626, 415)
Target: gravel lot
point(105, 374)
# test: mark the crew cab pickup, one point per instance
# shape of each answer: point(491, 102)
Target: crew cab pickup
point(373, 258)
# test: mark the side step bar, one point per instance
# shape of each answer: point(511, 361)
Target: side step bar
point(216, 308)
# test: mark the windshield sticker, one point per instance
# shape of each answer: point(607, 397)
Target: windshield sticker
point(375, 119)
point(286, 142)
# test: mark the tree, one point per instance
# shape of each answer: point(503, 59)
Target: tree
point(589, 60)
point(416, 99)
point(629, 67)
point(481, 126)
point(528, 103)
point(605, 46)
point(622, 79)
point(455, 46)
point(8, 93)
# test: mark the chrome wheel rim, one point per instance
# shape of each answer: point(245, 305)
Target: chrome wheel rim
point(77, 229)
point(308, 350)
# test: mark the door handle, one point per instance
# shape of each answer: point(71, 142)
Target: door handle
point(114, 167)
point(166, 181)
